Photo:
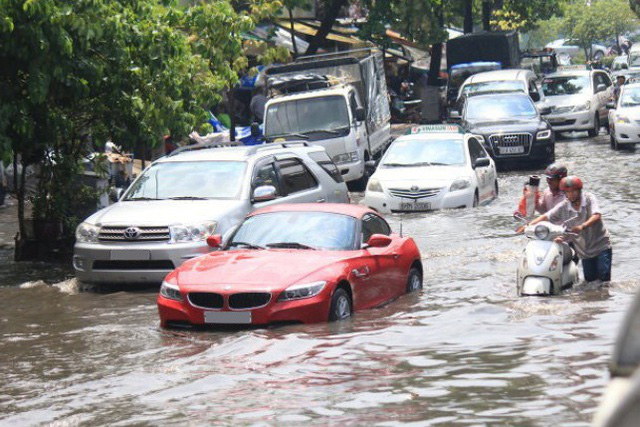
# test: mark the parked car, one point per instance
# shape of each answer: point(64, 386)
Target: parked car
point(504, 81)
point(624, 117)
point(577, 100)
point(620, 403)
point(566, 47)
point(298, 263)
point(166, 215)
point(511, 128)
point(432, 167)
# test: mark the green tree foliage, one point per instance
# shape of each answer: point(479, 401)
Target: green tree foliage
point(522, 15)
point(600, 20)
point(134, 69)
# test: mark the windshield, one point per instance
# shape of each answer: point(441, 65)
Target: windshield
point(425, 152)
point(300, 116)
point(297, 230)
point(493, 108)
point(189, 180)
point(634, 59)
point(630, 97)
point(565, 85)
point(504, 85)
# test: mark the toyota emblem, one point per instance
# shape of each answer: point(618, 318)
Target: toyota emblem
point(132, 233)
point(414, 188)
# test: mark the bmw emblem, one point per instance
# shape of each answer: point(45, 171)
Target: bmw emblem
point(226, 288)
point(414, 188)
point(132, 233)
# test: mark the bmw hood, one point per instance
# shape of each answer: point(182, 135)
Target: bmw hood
point(163, 212)
point(421, 176)
point(266, 269)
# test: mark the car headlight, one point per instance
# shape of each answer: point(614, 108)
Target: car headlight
point(583, 107)
point(192, 232)
point(374, 186)
point(544, 134)
point(460, 184)
point(541, 232)
point(302, 291)
point(622, 119)
point(87, 233)
point(346, 157)
point(170, 291)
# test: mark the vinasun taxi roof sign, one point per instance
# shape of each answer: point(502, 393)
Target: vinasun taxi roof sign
point(434, 129)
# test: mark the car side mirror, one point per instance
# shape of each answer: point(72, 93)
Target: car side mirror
point(544, 111)
point(255, 129)
point(214, 241)
point(379, 241)
point(611, 106)
point(265, 193)
point(601, 88)
point(360, 114)
point(482, 162)
point(535, 96)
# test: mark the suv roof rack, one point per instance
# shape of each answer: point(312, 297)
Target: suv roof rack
point(202, 146)
point(275, 145)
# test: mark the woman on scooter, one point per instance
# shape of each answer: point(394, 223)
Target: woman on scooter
point(593, 244)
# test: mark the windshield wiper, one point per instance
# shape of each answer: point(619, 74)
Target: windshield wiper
point(246, 245)
point(290, 245)
point(281, 135)
point(330, 131)
point(187, 198)
point(431, 164)
point(140, 198)
point(396, 165)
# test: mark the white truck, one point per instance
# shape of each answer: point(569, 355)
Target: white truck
point(336, 100)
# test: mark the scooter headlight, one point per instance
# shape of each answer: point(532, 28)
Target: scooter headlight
point(541, 232)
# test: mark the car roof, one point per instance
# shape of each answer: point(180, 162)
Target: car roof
point(499, 75)
point(239, 153)
point(356, 211)
point(630, 86)
point(575, 72)
point(440, 129)
point(498, 95)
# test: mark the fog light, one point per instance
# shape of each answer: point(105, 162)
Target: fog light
point(79, 263)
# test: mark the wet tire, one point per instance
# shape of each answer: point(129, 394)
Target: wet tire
point(497, 191)
point(614, 142)
point(596, 126)
point(414, 280)
point(340, 308)
point(476, 200)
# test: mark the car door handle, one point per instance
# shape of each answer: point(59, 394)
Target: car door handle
point(361, 273)
point(321, 200)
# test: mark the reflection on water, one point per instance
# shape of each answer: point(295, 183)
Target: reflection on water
point(466, 350)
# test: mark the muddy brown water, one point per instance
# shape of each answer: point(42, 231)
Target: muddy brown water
point(465, 351)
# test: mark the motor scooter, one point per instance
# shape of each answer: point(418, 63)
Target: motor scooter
point(546, 267)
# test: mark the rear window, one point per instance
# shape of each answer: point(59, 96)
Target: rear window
point(324, 161)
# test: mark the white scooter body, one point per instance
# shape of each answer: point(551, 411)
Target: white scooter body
point(541, 270)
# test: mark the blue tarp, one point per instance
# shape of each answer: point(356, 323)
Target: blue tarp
point(243, 133)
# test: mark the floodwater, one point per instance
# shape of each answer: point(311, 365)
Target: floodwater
point(465, 351)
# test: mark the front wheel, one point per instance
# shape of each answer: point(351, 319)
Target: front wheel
point(497, 192)
point(340, 308)
point(414, 281)
point(613, 141)
point(596, 126)
point(476, 200)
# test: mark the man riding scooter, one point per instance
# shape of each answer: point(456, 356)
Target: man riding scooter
point(593, 244)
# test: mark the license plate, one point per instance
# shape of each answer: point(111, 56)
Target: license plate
point(511, 150)
point(227, 317)
point(415, 206)
point(130, 255)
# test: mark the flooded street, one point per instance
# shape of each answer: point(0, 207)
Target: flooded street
point(465, 351)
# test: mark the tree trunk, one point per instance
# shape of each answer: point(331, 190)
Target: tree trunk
point(486, 15)
point(21, 196)
point(293, 37)
point(468, 16)
point(231, 106)
point(328, 20)
point(434, 65)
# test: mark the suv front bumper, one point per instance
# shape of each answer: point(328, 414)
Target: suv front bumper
point(132, 263)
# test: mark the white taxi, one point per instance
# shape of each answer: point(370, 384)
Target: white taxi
point(432, 167)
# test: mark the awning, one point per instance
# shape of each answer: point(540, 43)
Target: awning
point(309, 30)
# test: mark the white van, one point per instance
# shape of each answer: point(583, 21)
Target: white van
point(504, 81)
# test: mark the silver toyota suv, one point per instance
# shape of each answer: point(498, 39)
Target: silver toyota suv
point(166, 215)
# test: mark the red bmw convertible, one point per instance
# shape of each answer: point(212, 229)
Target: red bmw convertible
point(293, 263)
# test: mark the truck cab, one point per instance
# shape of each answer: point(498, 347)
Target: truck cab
point(332, 117)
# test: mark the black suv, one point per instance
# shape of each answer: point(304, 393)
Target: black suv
point(514, 133)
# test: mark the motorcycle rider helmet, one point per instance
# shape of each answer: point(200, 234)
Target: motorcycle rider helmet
point(571, 182)
point(556, 171)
